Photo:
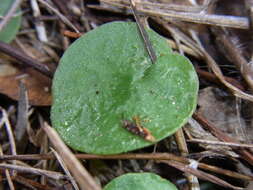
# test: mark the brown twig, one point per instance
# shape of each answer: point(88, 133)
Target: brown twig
point(145, 156)
point(199, 174)
point(239, 145)
point(25, 59)
point(225, 172)
point(153, 156)
point(31, 170)
point(212, 78)
point(31, 183)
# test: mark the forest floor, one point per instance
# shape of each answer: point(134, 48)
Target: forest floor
point(213, 150)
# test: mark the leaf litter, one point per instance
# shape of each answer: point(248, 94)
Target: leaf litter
point(90, 18)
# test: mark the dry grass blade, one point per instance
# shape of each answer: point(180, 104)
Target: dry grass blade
point(200, 18)
point(200, 174)
point(172, 7)
point(221, 143)
point(65, 169)
point(164, 6)
point(31, 170)
point(81, 175)
point(61, 16)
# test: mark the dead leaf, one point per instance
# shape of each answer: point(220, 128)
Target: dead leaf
point(38, 85)
point(199, 133)
point(221, 110)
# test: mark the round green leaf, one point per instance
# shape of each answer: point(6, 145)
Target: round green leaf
point(140, 181)
point(106, 77)
point(10, 30)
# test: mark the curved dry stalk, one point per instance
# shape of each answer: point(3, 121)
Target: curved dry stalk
point(210, 61)
point(215, 68)
point(235, 55)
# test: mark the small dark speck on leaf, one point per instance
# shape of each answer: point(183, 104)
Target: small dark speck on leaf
point(97, 92)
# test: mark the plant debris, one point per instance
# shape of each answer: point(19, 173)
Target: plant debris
point(216, 144)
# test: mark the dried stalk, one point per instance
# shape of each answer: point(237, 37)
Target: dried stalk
point(83, 178)
point(10, 134)
point(61, 16)
point(181, 143)
point(215, 20)
point(221, 143)
point(31, 170)
point(200, 174)
point(146, 156)
point(64, 167)
point(7, 173)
